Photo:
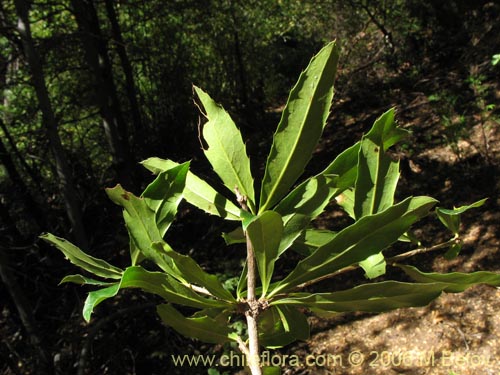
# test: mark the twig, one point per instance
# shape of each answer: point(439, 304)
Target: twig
point(392, 260)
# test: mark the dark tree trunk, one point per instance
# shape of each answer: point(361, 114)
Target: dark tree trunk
point(50, 126)
point(126, 66)
point(96, 54)
point(11, 234)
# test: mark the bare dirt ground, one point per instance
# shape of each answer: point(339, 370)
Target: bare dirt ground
point(457, 333)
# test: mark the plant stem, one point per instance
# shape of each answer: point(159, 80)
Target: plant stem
point(391, 260)
point(252, 313)
point(253, 307)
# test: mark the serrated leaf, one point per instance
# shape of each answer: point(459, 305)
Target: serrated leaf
point(300, 127)
point(204, 328)
point(157, 283)
point(303, 204)
point(82, 280)
point(369, 235)
point(282, 325)
point(141, 225)
point(76, 256)
point(226, 151)
point(377, 179)
point(164, 194)
point(375, 297)
point(198, 192)
point(265, 235)
point(190, 271)
point(456, 281)
point(451, 218)
point(235, 236)
point(374, 266)
point(311, 239)
point(385, 132)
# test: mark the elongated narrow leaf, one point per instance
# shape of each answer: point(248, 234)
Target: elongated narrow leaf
point(141, 225)
point(377, 178)
point(192, 272)
point(83, 280)
point(345, 167)
point(157, 283)
point(282, 325)
point(457, 281)
point(203, 328)
point(226, 150)
point(76, 256)
point(451, 218)
point(385, 132)
point(376, 297)
point(164, 194)
point(198, 192)
point(300, 127)
point(311, 239)
point(265, 235)
point(369, 235)
point(303, 204)
point(96, 297)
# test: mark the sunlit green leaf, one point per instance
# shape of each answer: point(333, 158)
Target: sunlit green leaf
point(226, 150)
point(451, 218)
point(265, 235)
point(197, 192)
point(282, 325)
point(303, 204)
point(164, 194)
point(457, 281)
point(300, 127)
point(376, 297)
point(311, 239)
point(369, 235)
point(203, 328)
point(190, 271)
point(76, 256)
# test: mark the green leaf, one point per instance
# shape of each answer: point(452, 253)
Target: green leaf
point(164, 194)
point(141, 225)
point(374, 265)
point(271, 370)
point(346, 201)
point(453, 251)
point(300, 127)
point(190, 271)
point(157, 283)
point(375, 297)
point(96, 297)
point(451, 218)
point(265, 235)
point(76, 256)
point(303, 204)
point(311, 239)
point(82, 280)
point(282, 325)
point(235, 236)
point(202, 328)
point(368, 236)
point(226, 150)
point(377, 178)
point(345, 166)
point(385, 132)
point(456, 281)
point(197, 192)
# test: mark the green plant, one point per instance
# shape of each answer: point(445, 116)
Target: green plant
point(363, 179)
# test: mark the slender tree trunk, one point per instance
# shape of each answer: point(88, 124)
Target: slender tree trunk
point(18, 296)
point(21, 188)
point(130, 86)
point(96, 54)
point(49, 123)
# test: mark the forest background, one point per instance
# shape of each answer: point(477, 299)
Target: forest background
point(89, 88)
